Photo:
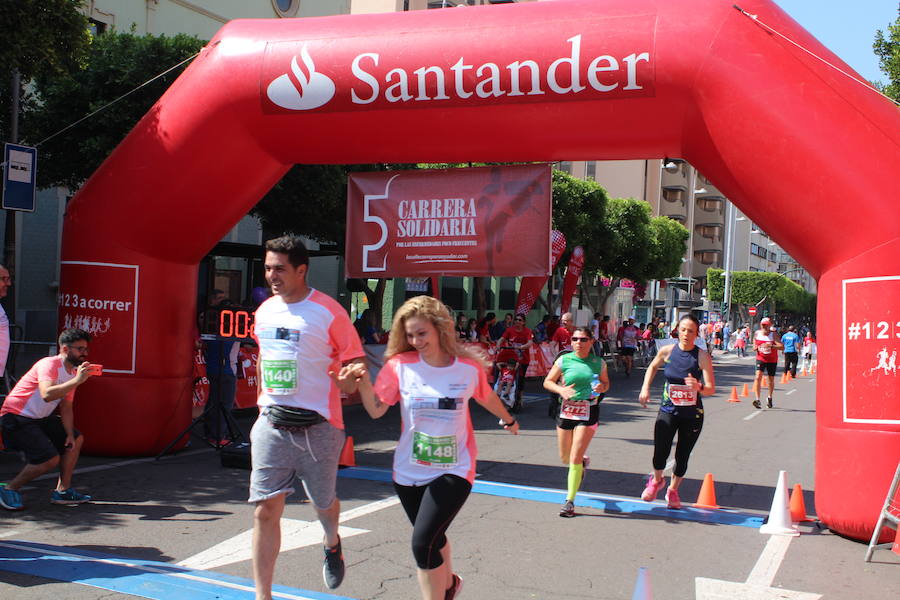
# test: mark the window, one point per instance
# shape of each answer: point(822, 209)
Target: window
point(707, 257)
point(590, 170)
point(710, 204)
point(711, 232)
point(508, 293)
point(490, 302)
point(565, 166)
point(755, 270)
point(772, 256)
point(757, 250)
point(673, 195)
point(286, 8)
point(453, 294)
point(96, 27)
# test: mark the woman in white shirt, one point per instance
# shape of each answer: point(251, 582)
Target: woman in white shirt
point(432, 376)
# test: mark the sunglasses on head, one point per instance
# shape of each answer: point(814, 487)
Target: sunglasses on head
point(580, 339)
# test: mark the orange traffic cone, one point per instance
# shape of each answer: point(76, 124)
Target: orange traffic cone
point(798, 507)
point(895, 548)
point(347, 459)
point(707, 497)
point(745, 393)
point(734, 396)
point(790, 376)
point(784, 378)
point(812, 369)
point(803, 372)
point(765, 381)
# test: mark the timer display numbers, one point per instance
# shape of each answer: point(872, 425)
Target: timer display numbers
point(235, 324)
point(228, 323)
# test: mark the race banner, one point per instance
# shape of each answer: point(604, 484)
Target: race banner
point(101, 298)
point(573, 272)
point(871, 340)
point(479, 222)
point(530, 287)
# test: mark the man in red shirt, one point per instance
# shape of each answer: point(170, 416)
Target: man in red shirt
point(563, 335)
point(767, 344)
point(30, 426)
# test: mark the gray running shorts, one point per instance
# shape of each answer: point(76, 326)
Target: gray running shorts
point(278, 456)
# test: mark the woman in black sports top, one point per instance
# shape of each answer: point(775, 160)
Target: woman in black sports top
point(689, 375)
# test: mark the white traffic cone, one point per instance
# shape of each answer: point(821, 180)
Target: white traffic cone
point(642, 588)
point(779, 522)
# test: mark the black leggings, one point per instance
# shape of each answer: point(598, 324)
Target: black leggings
point(431, 508)
point(688, 429)
point(790, 363)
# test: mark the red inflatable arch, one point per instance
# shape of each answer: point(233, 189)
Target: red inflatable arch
point(807, 153)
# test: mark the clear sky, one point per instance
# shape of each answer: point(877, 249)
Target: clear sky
point(846, 27)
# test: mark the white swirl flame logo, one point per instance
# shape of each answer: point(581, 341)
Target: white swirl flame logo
point(314, 91)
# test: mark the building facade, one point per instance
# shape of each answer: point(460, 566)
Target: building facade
point(675, 189)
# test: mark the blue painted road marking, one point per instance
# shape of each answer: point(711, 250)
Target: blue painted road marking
point(143, 578)
point(611, 504)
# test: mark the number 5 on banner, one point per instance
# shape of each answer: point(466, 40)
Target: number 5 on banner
point(368, 218)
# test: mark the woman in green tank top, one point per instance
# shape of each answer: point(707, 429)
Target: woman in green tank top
point(579, 378)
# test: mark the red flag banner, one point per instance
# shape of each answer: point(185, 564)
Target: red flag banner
point(573, 272)
point(530, 287)
point(480, 222)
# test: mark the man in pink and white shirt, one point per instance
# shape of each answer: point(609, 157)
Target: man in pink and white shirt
point(29, 425)
point(303, 335)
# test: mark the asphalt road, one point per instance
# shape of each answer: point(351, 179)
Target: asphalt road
point(508, 542)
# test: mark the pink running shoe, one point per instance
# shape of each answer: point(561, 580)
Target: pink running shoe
point(652, 489)
point(672, 499)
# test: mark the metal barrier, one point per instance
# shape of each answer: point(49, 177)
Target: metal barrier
point(890, 516)
point(17, 349)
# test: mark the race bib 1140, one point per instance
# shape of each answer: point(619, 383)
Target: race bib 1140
point(279, 376)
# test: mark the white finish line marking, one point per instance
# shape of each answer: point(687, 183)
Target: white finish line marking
point(294, 534)
point(753, 414)
point(759, 582)
point(789, 392)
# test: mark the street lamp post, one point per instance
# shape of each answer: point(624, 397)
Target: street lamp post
point(730, 221)
point(668, 166)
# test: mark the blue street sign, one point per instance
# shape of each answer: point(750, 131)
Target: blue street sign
point(19, 177)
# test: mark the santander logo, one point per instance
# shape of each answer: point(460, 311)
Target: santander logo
point(315, 90)
point(574, 67)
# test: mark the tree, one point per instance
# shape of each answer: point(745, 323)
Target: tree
point(750, 288)
point(669, 243)
point(887, 48)
point(116, 64)
point(41, 38)
point(639, 248)
point(619, 237)
point(311, 200)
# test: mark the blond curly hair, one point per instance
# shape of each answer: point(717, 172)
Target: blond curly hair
point(435, 311)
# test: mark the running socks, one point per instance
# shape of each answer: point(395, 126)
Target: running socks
point(576, 473)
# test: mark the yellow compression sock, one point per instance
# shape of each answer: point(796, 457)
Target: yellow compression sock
point(576, 471)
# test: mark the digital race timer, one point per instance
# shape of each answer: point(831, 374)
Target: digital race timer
point(235, 324)
point(228, 323)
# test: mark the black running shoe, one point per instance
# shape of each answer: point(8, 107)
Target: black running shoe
point(333, 569)
point(769, 402)
point(756, 404)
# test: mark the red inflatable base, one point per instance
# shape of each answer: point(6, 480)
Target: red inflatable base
point(134, 416)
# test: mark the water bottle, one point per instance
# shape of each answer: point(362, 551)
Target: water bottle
point(595, 381)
